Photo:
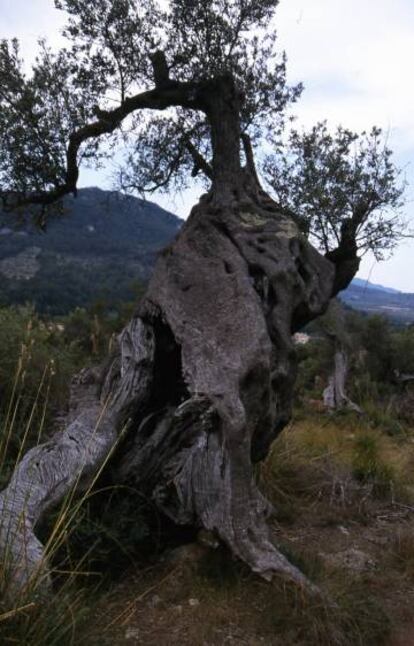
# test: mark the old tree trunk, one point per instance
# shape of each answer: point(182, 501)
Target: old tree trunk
point(333, 324)
point(201, 382)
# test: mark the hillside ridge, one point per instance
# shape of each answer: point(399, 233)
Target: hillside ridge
point(103, 243)
point(98, 247)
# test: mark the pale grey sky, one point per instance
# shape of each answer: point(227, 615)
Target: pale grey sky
point(355, 59)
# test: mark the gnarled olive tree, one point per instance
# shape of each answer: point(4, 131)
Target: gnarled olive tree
point(201, 381)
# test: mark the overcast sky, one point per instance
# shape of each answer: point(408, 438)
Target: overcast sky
point(355, 58)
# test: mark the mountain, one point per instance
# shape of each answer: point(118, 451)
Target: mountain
point(98, 248)
point(373, 299)
point(363, 282)
point(103, 243)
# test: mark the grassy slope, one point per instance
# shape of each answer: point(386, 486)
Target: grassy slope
point(338, 484)
point(338, 487)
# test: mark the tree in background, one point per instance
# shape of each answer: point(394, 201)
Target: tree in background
point(201, 381)
point(333, 324)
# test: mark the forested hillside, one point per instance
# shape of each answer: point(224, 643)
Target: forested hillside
point(98, 247)
point(374, 299)
point(102, 244)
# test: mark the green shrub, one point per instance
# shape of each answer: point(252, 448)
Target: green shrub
point(35, 371)
point(368, 465)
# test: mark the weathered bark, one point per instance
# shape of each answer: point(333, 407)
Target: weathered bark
point(72, 459)
point(221, 102)
point(203, 379)
point(334, 395)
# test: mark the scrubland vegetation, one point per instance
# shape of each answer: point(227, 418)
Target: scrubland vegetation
point(342, 486)
point(200, 385)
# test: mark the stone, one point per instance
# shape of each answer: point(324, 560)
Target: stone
point(351, 559)
point(193, 603)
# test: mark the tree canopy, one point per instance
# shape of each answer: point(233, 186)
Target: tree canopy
point(143, 74)
point(187, 88)
point(340, 183)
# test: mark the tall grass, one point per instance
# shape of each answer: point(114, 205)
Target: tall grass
point(28, 616)
point(319, 461)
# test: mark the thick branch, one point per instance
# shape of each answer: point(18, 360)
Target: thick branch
point(175, 94)
point(160, 69)
point(248, 151)
point(345, 257)
point(200, 164)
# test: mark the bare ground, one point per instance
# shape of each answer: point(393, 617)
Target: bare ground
point(358, 547)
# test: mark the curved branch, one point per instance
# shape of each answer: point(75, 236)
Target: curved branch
point(186, 95)
point(345, 257)
point(200, 164)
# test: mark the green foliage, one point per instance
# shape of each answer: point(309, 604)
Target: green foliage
point(342, 185)
point(368, 465)
point(386, 418)
point(315, 364)
point(35, 366)
point(107, 57)
point(36, 116)
point(38, 358)
point(376, 340)
point(403, 350)
point(31, 345)
point(379, 354)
